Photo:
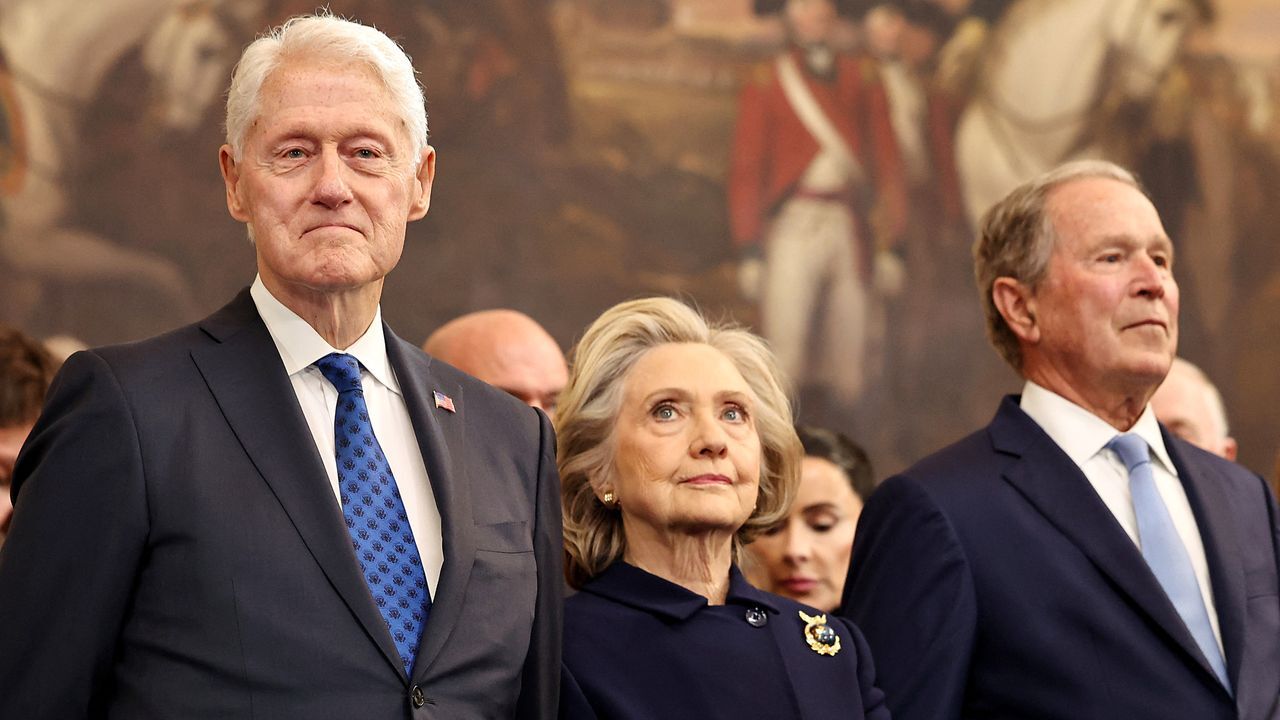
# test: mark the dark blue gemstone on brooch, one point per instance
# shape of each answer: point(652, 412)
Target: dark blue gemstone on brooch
point(824, 634)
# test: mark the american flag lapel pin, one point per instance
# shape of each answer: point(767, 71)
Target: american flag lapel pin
point(443, 401)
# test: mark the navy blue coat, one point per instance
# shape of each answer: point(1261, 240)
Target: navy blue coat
point(638, 646)
point(993, 582)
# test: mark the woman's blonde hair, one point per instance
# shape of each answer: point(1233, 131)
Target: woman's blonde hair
point(589, 406)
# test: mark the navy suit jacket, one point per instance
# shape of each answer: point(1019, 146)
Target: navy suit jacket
point(177, 551)
point(992, 582)
point(638, 647)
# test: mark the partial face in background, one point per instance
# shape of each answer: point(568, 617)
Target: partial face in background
point(535, 377)
point(882, 28)
point(1186, 406)
point(686, 451)
point(328, 180)
point(807, 557)
point(508, 350)
point(1105, 317)
point(11, 439)
point(810, 21)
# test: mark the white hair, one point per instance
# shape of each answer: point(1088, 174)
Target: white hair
point(324, 37)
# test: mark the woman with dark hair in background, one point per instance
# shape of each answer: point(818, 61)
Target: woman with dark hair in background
point(806, 557)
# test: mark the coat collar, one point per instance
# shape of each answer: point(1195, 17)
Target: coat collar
point(629, 585)
point(1055, 486)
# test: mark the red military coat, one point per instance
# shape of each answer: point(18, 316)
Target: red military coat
point(772, 148)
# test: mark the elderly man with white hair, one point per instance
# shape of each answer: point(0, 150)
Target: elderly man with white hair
point(285, 510)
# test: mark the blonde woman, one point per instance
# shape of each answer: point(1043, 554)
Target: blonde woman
point(676, 447)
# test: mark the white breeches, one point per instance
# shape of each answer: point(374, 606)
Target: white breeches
point(815, 308)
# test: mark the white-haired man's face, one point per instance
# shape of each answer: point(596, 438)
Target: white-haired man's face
point(328, 179)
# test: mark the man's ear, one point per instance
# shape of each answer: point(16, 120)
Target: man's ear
point(231, 178)
point(423, 178)
point(1017, 305)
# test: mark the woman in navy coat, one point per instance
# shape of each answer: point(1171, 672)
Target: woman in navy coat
point(676, 447)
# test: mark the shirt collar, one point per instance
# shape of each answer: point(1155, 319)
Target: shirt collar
point(629, 585)
point(300, 345)
point(1080, 433)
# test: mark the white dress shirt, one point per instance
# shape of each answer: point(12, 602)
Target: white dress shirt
point(300, 346)
point(1083, 436)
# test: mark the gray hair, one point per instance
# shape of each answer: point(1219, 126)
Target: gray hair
point(324, 37)
point(1016, 239)
point(588, 410)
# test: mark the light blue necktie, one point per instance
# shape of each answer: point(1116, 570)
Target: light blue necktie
point(375, 514)
point(1163, 550)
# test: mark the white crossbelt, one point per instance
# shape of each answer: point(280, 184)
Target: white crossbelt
point(815, 120)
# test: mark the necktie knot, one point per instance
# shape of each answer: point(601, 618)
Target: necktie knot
point(1132, 450)
point(341, 370)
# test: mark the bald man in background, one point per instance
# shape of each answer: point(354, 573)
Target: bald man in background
point(1191, 407)
point(507, 349)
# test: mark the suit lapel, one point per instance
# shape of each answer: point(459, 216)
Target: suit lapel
point(244, 373)
point(1221, 548)
point(441, 439)
point(1056, 487)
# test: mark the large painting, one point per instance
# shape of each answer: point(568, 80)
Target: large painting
point(596, 150)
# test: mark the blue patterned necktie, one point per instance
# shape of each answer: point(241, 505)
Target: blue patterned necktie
point(375, 513)
point(1163, 550)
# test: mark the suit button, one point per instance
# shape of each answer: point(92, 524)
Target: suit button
point(417, 697)
point(756, 617)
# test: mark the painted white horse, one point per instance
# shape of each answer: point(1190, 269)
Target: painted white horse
point(56, 54)
point(1048, 67)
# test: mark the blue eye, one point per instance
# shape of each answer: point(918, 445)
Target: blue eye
point(664, 412)
point(734, 413)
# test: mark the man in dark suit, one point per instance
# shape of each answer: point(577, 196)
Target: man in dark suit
point(1073, 559)
point(284, 510)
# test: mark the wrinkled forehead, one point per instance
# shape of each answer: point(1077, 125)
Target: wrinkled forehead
point(693, 369)
point(293, 90)
point(313, 69)
point(1095, 209)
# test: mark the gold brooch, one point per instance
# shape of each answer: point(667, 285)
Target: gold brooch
point(821, 638)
